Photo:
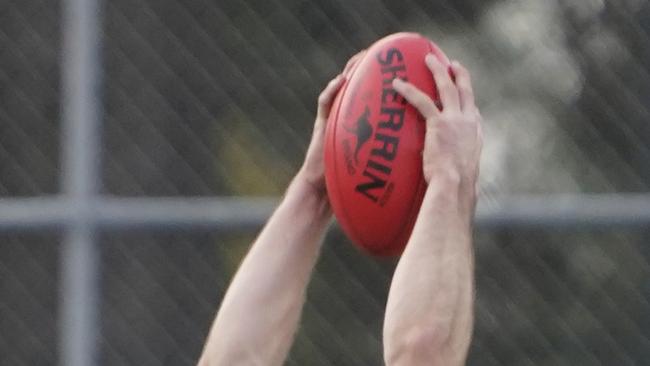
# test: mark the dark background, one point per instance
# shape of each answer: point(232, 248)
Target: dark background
point(209, 98)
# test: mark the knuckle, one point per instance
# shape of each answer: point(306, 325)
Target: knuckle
point(353, 60)
point(452, 118)
point(439, 67)
point(454, 115)
point(427, 111)
point(414, 98)
point(444, 85)
point(444, 117)
point(322, 98)
point(409, 89)
point(466, 88)
point(424, 103)
point(441, 73)
point(462, 70)
point(418, 98)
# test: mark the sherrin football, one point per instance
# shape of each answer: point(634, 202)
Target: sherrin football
point(373, 145)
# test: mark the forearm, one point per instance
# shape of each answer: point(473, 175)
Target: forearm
point(261, 309)
point(429, 313)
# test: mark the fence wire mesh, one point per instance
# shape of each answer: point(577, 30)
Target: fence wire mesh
point(217, 98)
point(29, 82)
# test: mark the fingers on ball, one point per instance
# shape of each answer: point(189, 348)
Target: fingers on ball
point(464, 85)
point(446, 88)
point(353, 61)
point(327, 95)
point(416, 98)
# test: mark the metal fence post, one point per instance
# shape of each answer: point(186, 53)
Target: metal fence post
point(80, 148)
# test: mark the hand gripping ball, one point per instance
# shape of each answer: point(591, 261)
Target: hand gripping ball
point(373, 145)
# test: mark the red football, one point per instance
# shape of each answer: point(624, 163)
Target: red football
point(373, 145)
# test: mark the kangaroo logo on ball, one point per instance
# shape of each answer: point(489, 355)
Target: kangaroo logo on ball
point(363, 131)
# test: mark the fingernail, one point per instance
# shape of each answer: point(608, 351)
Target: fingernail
point(455, 64)
point(430, 59)
point(398, 82)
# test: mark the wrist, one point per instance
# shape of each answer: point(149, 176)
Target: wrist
point(309, 193)
point(450, 175)
point(446, 177)
point(450, 190)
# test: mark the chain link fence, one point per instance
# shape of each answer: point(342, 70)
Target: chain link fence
point(216, 98)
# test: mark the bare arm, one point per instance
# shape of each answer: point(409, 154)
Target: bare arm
point(429, 315)
point(261, 309)
point(260, 312)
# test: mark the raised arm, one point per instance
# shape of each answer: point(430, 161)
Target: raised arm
point(261, 309)
point(260, 312)
point(429, 315)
